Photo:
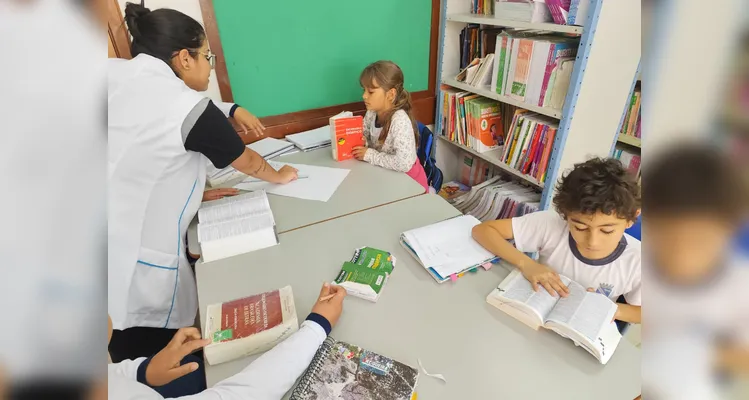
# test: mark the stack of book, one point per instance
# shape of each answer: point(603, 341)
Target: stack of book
point(631, 124)
point(534, 69)
point(477, 41)
point(533, 11)
point(529, 143)
point(498, 199)
point(475, 170)
point(311, 140)
point(482, 7)
point(471, 120)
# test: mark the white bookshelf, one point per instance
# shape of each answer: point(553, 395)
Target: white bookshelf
point(606, 61)
point(508, 23)
point(630, 140)
point(486, 92)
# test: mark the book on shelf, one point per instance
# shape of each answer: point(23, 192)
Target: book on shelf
point(249, 325)
point(366, 273)
point(446, 249)
point(584, 317)
point(533, 11)
point(562, 79)
point(471, 120)
point(559, 10)
point(631, 119)
point(630, 160)
point(529, 142)
point(346, 132)
point(341, 370)
point(579, 11)
point(452, 190)
point(482, 7)
point(235, 225)
point(497, 198)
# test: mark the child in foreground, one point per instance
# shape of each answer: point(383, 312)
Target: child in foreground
point(389, 126)
point(583, 239)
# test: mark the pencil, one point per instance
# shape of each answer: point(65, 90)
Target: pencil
point(326, 298)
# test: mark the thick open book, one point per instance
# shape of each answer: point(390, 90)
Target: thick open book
point(249, 325)
point(236, 225)
point(582, 316)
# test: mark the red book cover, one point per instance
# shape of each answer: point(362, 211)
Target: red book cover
point(547, 152)
point(348, 133)
point(532, 151)
point(250, 315)
point(539, 152)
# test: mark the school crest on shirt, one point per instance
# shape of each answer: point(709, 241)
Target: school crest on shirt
point(605, 289)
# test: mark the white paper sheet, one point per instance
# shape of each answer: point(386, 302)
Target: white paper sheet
point(320, 182)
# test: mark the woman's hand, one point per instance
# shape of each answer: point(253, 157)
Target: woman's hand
point(215, 194)
point(165, 366)
point(287, 174)
point(359, 152)
point(248, 122)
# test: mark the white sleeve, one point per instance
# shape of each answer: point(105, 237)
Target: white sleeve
point(126, 368)
point(533, 231)
point(224, 107)
point(273, 373)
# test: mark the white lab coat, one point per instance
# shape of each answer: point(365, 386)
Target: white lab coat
point(267, 378)
point(155, 189)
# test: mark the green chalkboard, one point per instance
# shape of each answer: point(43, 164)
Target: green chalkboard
point(293, 55)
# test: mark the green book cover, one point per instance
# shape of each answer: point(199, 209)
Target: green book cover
point(502, 61)
point(367, 272)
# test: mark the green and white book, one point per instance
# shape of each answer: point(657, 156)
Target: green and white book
point(367, 273)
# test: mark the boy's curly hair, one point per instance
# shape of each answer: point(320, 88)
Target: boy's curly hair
point(598, 185)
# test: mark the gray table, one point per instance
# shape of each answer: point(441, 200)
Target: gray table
point(483, 353)
point(366, 186)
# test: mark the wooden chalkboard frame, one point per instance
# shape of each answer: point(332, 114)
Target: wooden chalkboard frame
point(279, 126)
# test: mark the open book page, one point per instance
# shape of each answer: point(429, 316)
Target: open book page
point(249, 224)
point(584, 312)
point(517, 289)
point(233, 207)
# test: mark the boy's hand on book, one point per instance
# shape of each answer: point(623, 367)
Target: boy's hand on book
point(248, 122)
point(330, 302)
point(288, 174)
point(542, 275)
point(359, 152)
point(215, 194)
point(165, 365)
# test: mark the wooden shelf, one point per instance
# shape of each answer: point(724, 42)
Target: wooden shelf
point(486, 92)
point(630, 140)
point(493, 157)
point(491, 20)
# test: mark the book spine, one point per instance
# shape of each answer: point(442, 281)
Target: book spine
point(639, 124)
point(632, 101)
point(533, 148)
point(541, 147)
point(551, 62)
point(555, 7)
point(572, 16)
point(635, 115)
point(509, 136)
point(520, 82)
point(547, 154)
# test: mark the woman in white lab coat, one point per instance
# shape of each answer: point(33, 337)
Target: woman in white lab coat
point(162, 131)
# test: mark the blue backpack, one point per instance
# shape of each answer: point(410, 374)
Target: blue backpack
point(425, 151)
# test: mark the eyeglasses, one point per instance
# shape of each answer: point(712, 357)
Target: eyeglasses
point(210, 57)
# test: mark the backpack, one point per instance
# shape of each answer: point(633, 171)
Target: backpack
point(424, 152)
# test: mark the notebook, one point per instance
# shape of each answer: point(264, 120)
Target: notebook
point(236, 225)
point(582, 316)
point(313, 139)
point(270, 147)
point(345, 371)
point(447, 248)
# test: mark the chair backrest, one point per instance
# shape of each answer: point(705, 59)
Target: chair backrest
point(636, 230)
point(424, 152)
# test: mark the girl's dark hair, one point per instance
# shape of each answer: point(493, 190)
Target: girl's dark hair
point(162, 33)
point(388, 75)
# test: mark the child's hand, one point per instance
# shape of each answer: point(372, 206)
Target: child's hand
point(330, 302)
point(164, 366)
point(539, 274)
point(359, 152)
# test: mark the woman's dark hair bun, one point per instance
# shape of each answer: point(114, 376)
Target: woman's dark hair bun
point(133, 12)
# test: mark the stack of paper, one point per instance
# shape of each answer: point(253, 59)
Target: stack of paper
point(315, 183)
point(311, 140)
point(447, 248)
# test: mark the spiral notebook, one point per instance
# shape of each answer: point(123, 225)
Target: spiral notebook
point(341, 370)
